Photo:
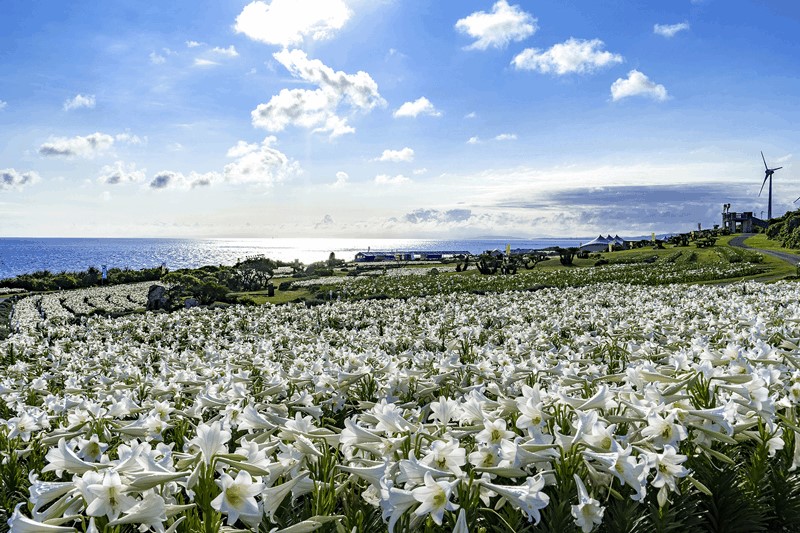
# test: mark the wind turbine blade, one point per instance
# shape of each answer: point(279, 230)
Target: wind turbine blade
point(762, 185)
point(798, 198)
point(777, 168)
point(764, 160)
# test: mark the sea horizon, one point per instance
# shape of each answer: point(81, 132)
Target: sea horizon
point(24, 255)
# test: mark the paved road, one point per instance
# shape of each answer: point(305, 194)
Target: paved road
point(739, 242)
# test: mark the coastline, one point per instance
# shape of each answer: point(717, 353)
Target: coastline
point(25, 255)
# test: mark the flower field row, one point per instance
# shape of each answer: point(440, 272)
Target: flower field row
point(391, 273)
point(610, 407)
point(640, 274)
point(52, 308)
point(9, 290)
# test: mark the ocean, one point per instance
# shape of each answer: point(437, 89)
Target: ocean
point(24, 255)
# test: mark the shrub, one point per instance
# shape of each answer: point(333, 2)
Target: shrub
point(246, 300)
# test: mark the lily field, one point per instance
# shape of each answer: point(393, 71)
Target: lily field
point(630, 397)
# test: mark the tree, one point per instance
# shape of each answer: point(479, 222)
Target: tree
point(566, 255)
point(332, 261)
point(91, 277)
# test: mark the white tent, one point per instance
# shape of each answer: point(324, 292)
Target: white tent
point(598, 244)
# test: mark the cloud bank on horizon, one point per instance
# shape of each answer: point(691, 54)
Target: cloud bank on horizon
point(383, 118)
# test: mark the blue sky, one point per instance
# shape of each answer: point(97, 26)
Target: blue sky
point(393, 118)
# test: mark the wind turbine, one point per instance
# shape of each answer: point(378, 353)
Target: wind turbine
point(768, 172)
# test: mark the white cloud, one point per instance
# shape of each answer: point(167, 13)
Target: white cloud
point(227, 52)
point(200, 62)
point(79, 101)
point(404, 155)
point(87, 147)
point(420, 171)
point(3, 104)
point(669, 30)
point(471, 114)
point(437, 216)
point(129, 138)
point(119, 172)
point(11, 179)
point(157, 59)
point(341, 179)
point(473, 140)
point(316, 109)
point(506, 137)
point(241, 148)
point(420, 106)
point(496, 29)
point(574, 55)
point(166, 179)
point(254, 163)
point(259, 163)
point(637, 84)
point(193, 44)
point(383, 179)
point(288, 22)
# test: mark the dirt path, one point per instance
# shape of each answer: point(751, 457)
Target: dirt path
point(792, 259)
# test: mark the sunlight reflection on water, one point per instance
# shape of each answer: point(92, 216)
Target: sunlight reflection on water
point(18, 256)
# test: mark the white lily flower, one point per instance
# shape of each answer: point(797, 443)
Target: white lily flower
point(434, 498)
point(664, 431)
point(62, 458)
point(22, 426)
point(588, 513)
point(211, 440)
point(110, 498)
point(150, 512)
point(19, 523)
point(444, 411)
point(446, 455)
point(238, 497)
point(494, 432)
point(394, 503)
point(92, 449)
point(668, 467)
point(461, 523)
point(372, 474)
point(528, 497)
point(274, 496)
point(485, 456)
point(626, 468)
point(412, 471)
point(44, 492)
point(390, 419)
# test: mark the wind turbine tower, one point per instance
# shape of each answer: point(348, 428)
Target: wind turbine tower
point(768, 172)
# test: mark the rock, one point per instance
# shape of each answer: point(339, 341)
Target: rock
point(188, 303)
point(157, 298)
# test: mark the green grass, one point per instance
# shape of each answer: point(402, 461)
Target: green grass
point(761, 241)
point(281, 297)
point(770, 269)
